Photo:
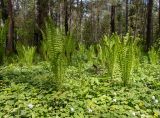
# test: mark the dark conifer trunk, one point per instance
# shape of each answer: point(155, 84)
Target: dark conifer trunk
point(10, 40)
point(126, 16)
point(80, 18)
point(42, 14)
point(159, 17)
point(149, 25)
point(4, 11)
point(112, 19)
point(66, 17)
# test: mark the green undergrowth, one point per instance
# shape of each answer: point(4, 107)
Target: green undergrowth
point(27, 91)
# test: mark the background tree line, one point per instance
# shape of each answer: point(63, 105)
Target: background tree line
point(85, 20)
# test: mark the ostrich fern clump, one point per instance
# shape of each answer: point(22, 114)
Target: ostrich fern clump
point(55, 52)
point(69, 48)
point(127, 57)
point(91, 54)
point(3, 35)
point(110, 52)
point(153, 56)
point(25, 54)
point(119, 56)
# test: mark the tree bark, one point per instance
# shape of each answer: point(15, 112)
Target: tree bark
point(10, 41)
point(42, 14)
point(112, 19)
point(149, 25)
point(119, 19)
point(70, 15)
point(4, 11)
point(66, 17)
point(159, 17)
point(126, 16)
point(80, 19)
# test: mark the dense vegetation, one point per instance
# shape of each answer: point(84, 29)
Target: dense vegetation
point(118, 81)
point(78, 73)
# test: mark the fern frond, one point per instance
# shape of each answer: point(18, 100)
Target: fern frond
point(25, 54)
point(127, 57)
point(55, 51)
point(153, 56)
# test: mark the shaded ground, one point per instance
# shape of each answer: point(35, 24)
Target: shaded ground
point(29, 92)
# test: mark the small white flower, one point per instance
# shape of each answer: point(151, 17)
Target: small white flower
point(114, 93)
point(153, 97)
point(90, 110)
point(30, 106)
point(143, 116)
point(2, 24)
point(133, 113)
point(114, 100)
point(15, 109)
point(156, 101)
point(23, 112)
point(72, 109)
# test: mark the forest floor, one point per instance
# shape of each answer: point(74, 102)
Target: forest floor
point(28, 91)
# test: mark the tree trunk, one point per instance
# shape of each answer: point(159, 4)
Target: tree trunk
point(149, 25)
point(42, 14)
point(66, 17)
point(119, 19)
point(112, 19)
point(77, 20)
point(10, 41)
point(4, 11)
point(126, 16)
point(80, 19)
point(61, 15)
point(70, 15)
point(159, 17)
